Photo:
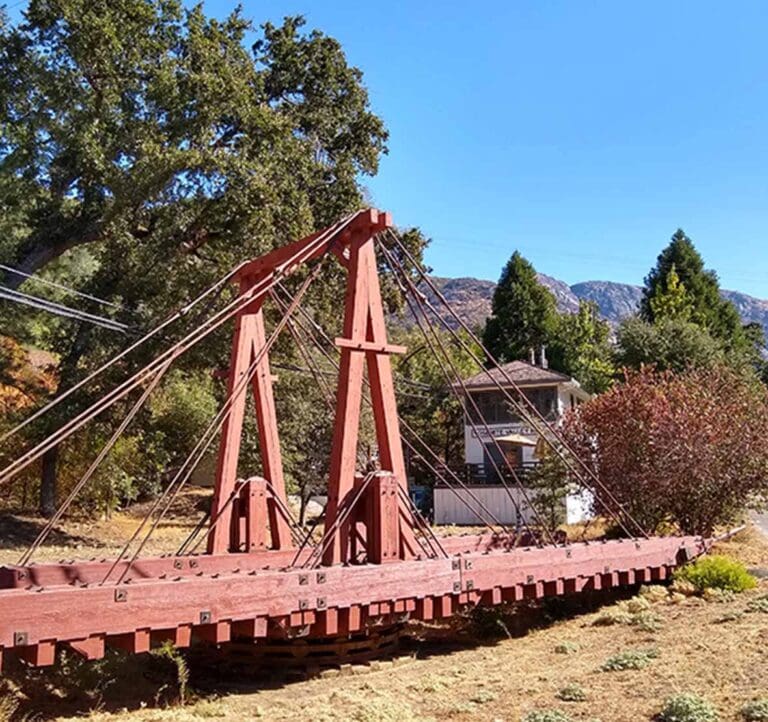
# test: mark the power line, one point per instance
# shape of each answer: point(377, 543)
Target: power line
point(59, 309)
point(59, 286)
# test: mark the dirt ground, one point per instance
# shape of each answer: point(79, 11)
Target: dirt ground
point(717, 648)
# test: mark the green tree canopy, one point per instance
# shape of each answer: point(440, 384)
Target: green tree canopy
point(669, 344)
point(156, 147)
point(680, 264)
point(145, 124)
point(672, 301)
point(523, 312)
point(580, 346)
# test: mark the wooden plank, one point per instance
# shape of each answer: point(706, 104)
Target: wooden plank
point(231, 434)
point(269, 440)
point(42, 654)
point(250, 628)
point(369, 221)
point(91, 648)
point(92, 572)
point(425, 609)
point(218, 632)
point(166, 604)
point(386, 348)
point(180, 636)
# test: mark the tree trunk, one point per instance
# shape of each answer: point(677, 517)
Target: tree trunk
point(303, 501)
point(53, 240)
point(48, 474)
point(48, 482)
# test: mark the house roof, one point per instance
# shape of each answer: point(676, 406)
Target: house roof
point(520, 372)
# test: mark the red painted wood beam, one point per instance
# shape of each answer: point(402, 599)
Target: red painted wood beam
point(218, 607)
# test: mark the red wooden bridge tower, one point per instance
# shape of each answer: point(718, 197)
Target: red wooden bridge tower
point(376, 563)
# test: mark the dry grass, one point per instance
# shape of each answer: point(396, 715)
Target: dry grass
point(749, 546)
point(717, 649)
point(76, 539)
point(723, 662)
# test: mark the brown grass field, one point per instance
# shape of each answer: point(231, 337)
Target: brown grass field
point(715, 648)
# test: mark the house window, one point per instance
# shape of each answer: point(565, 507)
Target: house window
point(545, 400)
point(493, 407)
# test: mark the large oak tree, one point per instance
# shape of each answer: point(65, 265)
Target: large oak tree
point(159, 147)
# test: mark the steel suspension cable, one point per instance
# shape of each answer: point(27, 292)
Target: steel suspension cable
point(421, 522)
point(479, 504)
point(212, 430)
point(183, 311)
point(327, 397)
point(447, 376)
point(308, 537)
point(398, 270)
point(259, 288)
point(328, 534)
point(417, 438)
point(293, 522)
point(181, 551)
point(41, 537)
point(532, 412)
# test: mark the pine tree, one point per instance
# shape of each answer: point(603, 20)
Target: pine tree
point(524, 312)
point(708, 308)
point(672, 301)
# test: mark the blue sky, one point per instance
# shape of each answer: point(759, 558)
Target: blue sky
point(582, 133)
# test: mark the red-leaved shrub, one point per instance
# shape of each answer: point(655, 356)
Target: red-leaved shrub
point(688, 448)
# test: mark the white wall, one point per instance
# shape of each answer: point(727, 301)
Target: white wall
point(473, 443)
point(449, 508)
point(578, 506)
point(448, 505)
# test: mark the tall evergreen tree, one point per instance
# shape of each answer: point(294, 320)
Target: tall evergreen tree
point(672, 302)
point(708, 308)
point(524, 312)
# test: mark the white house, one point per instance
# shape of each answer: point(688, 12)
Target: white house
point(491, 417)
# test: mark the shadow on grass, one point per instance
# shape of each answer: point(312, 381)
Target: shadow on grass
point(21, 531)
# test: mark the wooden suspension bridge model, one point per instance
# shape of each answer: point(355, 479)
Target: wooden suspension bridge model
point(259, 575)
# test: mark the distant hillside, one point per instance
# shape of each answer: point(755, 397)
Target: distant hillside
point(471, 299)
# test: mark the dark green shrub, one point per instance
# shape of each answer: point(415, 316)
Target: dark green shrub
point(717, 572)
point(688, 708)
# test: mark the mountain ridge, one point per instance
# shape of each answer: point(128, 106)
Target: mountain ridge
point(471, 299)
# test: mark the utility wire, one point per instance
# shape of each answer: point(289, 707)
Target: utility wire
point(260, 288)
point(59, 309)
point(180, 313)
point(60, 287)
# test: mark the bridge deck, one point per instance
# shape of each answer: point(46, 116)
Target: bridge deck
point(257, 595)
